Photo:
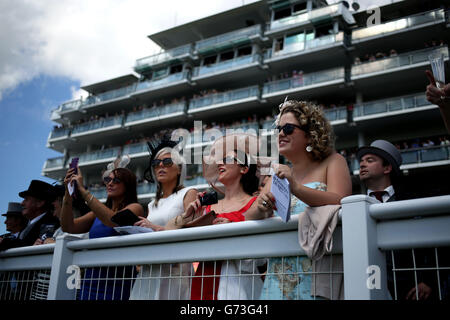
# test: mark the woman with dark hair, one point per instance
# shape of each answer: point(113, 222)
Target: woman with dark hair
point(121, 190)
point(231, 170)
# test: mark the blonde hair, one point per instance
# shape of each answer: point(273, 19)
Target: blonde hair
point(317, 127)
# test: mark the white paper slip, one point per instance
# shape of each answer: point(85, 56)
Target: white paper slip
point(282, 193)
point(132, 229)
point(70, 188)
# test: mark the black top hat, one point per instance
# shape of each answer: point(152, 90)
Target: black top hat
point(385, 150)
point(39, 189)
point(14, 209)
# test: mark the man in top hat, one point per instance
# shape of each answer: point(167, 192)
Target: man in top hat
point(380, 173)
point(380, 170)
point(15, 223)
point(37, 208)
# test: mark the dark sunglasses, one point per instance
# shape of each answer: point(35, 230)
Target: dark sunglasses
point(288, 128)
point(167, 162)
point(230, 159)
point(114, 180)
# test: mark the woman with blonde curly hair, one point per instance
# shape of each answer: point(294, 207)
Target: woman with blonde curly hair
point(318, 176)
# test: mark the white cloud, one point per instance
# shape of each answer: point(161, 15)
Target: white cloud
point(86, 40)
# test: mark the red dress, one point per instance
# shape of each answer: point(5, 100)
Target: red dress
point(208, 272)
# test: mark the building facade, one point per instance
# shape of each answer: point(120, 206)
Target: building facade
point(233, 69)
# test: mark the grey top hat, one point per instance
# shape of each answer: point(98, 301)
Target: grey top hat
point(14, 209)
point(384, 149)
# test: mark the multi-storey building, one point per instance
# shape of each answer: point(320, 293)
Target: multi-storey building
point(233, 69)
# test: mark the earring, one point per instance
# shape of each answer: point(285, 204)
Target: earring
point(309, 149)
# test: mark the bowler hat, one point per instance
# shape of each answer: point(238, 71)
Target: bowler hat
point(14, 209)
point(385, 150)
point(40, 190)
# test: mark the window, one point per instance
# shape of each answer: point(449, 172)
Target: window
point(229, 55)
point(210, 60)
point(245, 51)
point(278, 44)
point(324, 30)
point(159, 73)
point(176, 69)
point(300, 7)
point(283, 13)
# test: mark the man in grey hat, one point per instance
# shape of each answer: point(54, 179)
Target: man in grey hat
point(380, 173)
point(380, 170)
point(15, 223)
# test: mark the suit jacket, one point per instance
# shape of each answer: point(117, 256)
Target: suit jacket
point(29, 236)
point(9, 241)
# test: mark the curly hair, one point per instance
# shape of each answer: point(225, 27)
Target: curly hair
point(317, 127)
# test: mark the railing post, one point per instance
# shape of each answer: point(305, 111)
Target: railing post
point(62, 259)
point(364, 264)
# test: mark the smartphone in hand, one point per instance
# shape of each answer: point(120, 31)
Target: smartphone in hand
point(73, 187)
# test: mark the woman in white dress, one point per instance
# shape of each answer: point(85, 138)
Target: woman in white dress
point(165, 281)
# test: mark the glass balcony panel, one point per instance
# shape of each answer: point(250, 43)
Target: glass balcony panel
point(109, 95)
point(230, 37)
point(71, 105)
point(99, 155)
point(421, 100)
point(375, 107)
point(434, 154)
point(223, 97)
point(99, 192)
point(135, 148)
point(59, 132)
point(167, 80)
point(54, 163)
point(409, 102)
point(397, 25)
point(163, 56)
point(146, 188)
point(410, 157)
point(226, 65)
point(98, 124)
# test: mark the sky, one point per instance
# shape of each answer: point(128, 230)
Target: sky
point(49, 48)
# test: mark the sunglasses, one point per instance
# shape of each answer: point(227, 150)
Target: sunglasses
point(230, 159)
point(167, 162)
point(114, 180)
point(288, 128)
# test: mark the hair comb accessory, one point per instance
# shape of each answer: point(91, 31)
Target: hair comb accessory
point(119, 162)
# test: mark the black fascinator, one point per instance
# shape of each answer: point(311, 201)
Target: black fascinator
point(153, 148)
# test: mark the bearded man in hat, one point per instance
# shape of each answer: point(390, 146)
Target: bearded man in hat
point(380, 173)
point(37, 208)
point(15, 223)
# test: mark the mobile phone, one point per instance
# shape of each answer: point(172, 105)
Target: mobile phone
point(209, 198)
point(125, 218)
point(74, 164)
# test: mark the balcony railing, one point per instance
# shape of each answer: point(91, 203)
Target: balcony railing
point(240, 248)
point(155, 112)
point(334, 114)
point(54, 163)
point(109, 95)
point(151, 84)
point(225, 65)
point(59, 133)
point(305, 17)
point(401, 60)
point(398, 25)
point(135, 148)
point(98, 155)
point(390, 105)
point(97, 125)
point(224, 97)
point(302, 45)
point(303, 80)
point(165, 56)
point(230, 38)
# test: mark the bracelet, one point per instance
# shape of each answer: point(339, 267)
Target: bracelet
point(90, 199)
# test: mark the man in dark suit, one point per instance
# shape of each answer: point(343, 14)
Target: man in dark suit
point(15, 223)
point(381, 175)
point(37, 208)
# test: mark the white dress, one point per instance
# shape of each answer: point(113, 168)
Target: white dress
point(164, 281)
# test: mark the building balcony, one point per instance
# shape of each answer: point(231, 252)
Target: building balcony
point(95, 127)
point(160, 59)
point(54, 168)
point(98, 157)
point(156, 115)
point(425, 21)
point(306, 85)
point(313, 53)
point(225, 101)
point(230, 39)
point(58, 134)
point(111, 101)
point(235, 71)
point(303, 19)
point(172, 84)
point(398, 73)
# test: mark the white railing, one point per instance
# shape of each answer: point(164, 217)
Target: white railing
point(369, 230)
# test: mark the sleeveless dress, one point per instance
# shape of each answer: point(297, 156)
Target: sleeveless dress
point(94, 285)
point(289, 283)
point(206, 283)
point(168, 281)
